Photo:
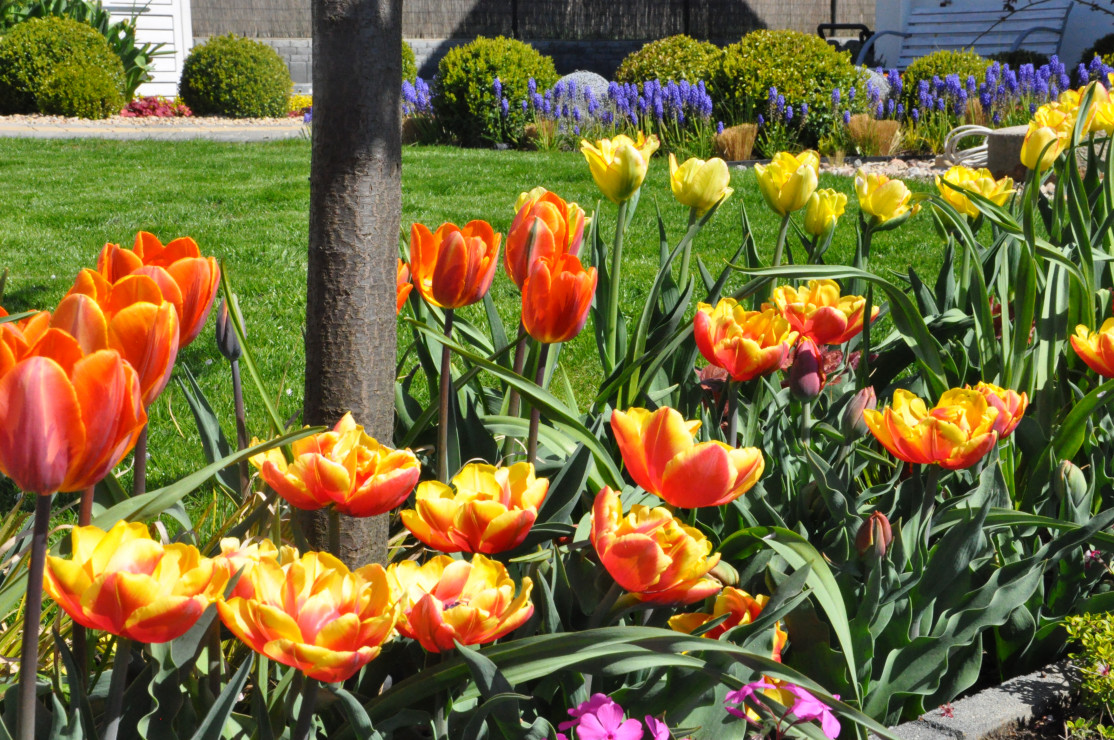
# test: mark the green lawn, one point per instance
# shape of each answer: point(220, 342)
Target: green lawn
point(248, 205)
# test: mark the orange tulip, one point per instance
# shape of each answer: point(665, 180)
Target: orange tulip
point(661, 455)
point(491, 510)
point(446, 600)
point(1096, 348)
point(745, 343)
point(651, 554)
point(123, 582)
point(742, 608)
point(186, 279)
point(956, 433)
point(545, 224)
point(403, 286)
point(315, 615)
point(130, 316)
point(66, 416)
point(344, 468)
point(820, 312)
point(454, 267)
point(556, 298)
point(242, 557)
point(1010, 404)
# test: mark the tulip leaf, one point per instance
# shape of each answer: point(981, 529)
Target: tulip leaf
point(565, 489)
point(213, 723)
point(1069, 437)
point(79, 699)
point(150, 505)
point(16, 316)
point(213, 442)
point(491, 683)
point(354, 712)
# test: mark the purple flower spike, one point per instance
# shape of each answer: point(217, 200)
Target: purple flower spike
point(719, 127)
point(497, 88)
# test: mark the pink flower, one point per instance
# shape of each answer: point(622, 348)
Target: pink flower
point(658, 729)
point(608, 723)
point(739, 697)
point(586, 707)
point(807, 707)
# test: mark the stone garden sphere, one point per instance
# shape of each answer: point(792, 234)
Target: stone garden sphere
point(587, 80)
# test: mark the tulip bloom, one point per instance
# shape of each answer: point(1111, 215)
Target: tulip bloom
point(344, 468)
point(186, 279)
point(661, 455)
point(979, 181)
point(68, 416)
point(823, 210)
point(543, 225)
point(1049, 134)
point(742, 607)
point(125, 583)
point(242, 557)
point(130, 316)
point(1096, 348)
point(819, 312)
point(699, 184)
point(882, 198)
point(956, 433)
point(788, 181)
point(445, 600)
point(619, 165)
point(1010, 404)
point(403, 286)
point(491, 510)
point(556, 298)
point(744, 343)
point(315, 615)
point(651, 554)
point(454, 267)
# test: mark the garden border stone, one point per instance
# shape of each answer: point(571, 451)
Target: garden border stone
point(994, 711)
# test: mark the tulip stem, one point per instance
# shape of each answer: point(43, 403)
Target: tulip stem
point(334, 531)
point(535, 411)
point(305, 714)
point(115, 709)
point(80, 644)
point(139, 469)
point(446, 389)
point(241, 426)
point(613, 289)
point(731, 388)
point(806, 424)
point(603, 609)
point(782, 233)
point(29, 651)
point(864, 347)
point(519, 366)
point(928, 503)
point(686, 256)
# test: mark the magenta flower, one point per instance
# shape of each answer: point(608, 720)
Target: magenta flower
point(586, 707)
point(658, 729)
point(608, 723)
point(807, 707)
point(739, 697)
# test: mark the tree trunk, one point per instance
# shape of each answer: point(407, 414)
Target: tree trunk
point(355, 205)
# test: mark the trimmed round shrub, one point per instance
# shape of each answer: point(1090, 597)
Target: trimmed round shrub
point(33, 51)
point(79, 91)
point(940, 64)
point(464, 95)
point(1104, 47)
point(804, 68)
point(1020, 56)
point(236, 77)
point(674, 58)
point(409, 64)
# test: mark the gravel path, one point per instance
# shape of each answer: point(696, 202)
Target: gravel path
point(152, 128)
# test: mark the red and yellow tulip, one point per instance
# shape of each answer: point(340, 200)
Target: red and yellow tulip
point(819, 312)
point(403, 286)
point(1011, 407)
point(619, 165)
point(344, 468)
point(955, 433)
point(315, 615)
point(491, 509)
point(744, 343)
point(650, 554)
point(661, 455)
point(742, 608)
point(66, 416)
point(556, 298)
point(544, 225)
point(1096, 348)
point(454, 267)
point(444, 600)
point(125, 583)
point(238, 556)
point(186, 279)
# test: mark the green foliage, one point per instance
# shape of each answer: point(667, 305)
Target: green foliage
point(1093, 635)
point(940, 64)
point(33, 51)
point(675, 58)
point(138, 60)
point(464, 99)
point(82, 92)
point(803, 67)
point(1104, 47)
point(1017, 57)
point(409, 65)
point(236, 77)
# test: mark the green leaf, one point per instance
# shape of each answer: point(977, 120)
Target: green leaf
point(214, 722)
point(246, 360)
point(213, 442)
point(354, 712)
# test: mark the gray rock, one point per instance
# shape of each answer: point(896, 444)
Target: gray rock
point(878, 81)
point(590, 80)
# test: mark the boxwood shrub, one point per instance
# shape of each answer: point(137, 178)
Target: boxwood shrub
point(236, 77)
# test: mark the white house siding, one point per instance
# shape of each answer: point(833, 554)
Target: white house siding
point(160, 22)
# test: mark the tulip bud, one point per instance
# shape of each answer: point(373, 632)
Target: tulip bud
point(725, 574)
point(806, 375)
point(1070, 484)
point(852, 424)
point(227, 341)
point(875, 535)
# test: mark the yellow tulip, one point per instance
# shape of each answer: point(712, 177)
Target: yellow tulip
point(619, 165)
point(882, 198)
point(979, 181)
point(699, 184)
point(822, 211)
point(788, 181)
point(1049, 134)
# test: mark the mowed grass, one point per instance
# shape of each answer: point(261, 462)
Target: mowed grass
point(248, 205)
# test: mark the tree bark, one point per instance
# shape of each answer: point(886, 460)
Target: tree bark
point(355, 205)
